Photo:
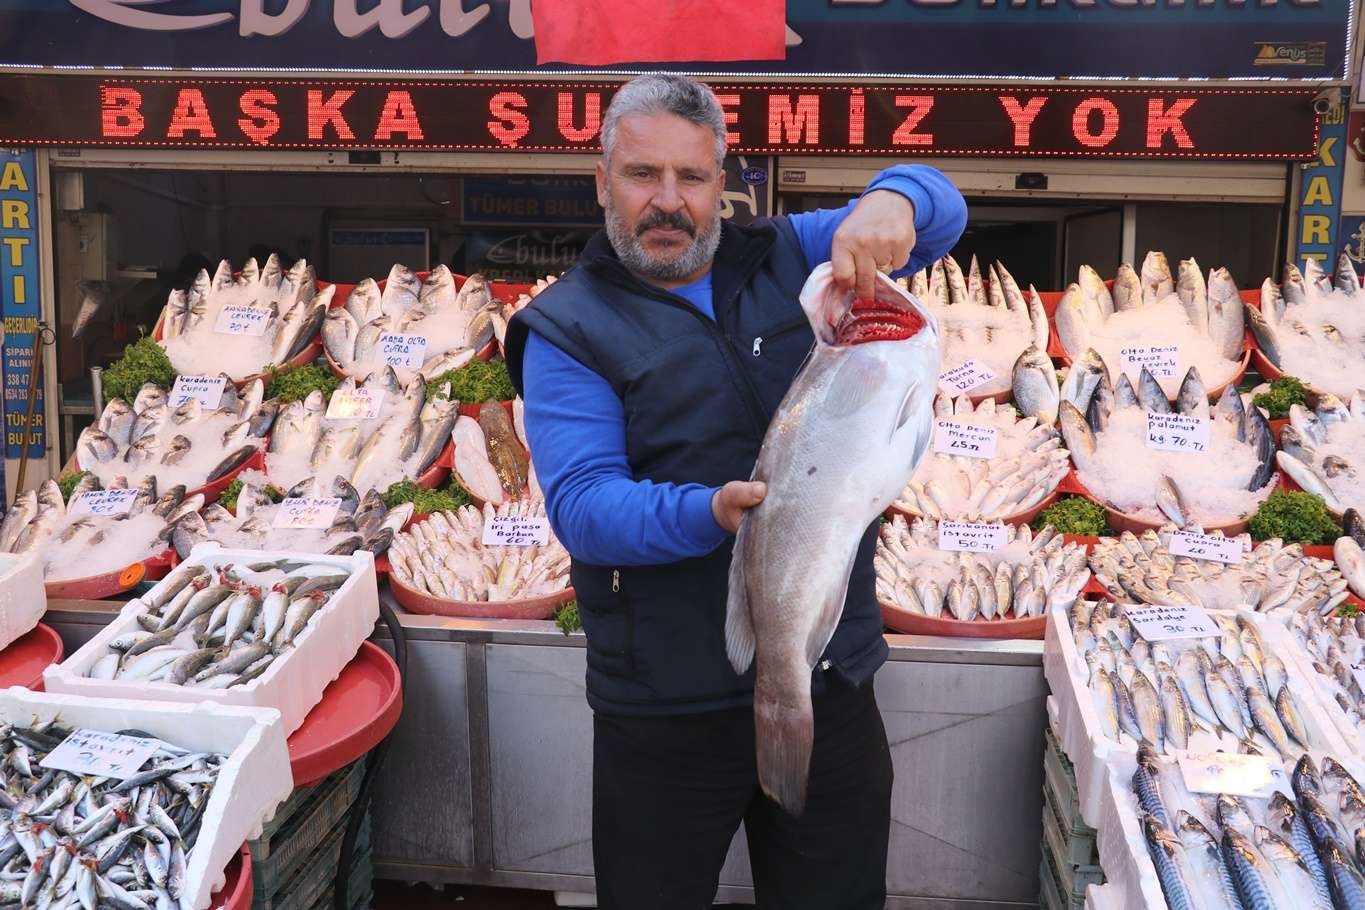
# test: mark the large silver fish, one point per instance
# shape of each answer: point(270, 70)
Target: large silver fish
point(872, 376)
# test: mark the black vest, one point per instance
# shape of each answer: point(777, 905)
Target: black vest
point(698, 396)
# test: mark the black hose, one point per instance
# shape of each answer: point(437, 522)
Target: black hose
point(341, 886)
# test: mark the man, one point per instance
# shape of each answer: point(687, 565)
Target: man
point(650, 372)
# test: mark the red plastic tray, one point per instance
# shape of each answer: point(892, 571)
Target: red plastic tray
point(23, 662)
point(357, 711)
point(916, 624)
point(236, 891)
point(531, 608)
point(98, 587)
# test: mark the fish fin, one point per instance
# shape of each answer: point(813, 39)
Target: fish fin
point(784, 727)
point(823, 629)
point(739, 624)
point(857, 380)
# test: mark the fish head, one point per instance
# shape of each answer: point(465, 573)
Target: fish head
point(839, 320)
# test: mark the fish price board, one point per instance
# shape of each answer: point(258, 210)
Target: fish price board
point(238, 319)
point(102, 502)
point(306, 512)
point(208, 389)
point(1165, 623)
point(397, 349)
point(1161, 360)
point(977, 538)
point(1177, 433)
point(964, 377)
point(952, 438)
point(1235, 775)
point(94, 753)
point(513, 531)
point(355, 404)
point(1206, 546)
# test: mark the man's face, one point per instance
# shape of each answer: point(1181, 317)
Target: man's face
point(661, 191)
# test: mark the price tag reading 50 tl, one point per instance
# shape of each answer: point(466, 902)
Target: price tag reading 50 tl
point(235, 319)
point(1166, 623)
point(963, 439)
point(512, 531)
point(962, 535)
point(1177, 433)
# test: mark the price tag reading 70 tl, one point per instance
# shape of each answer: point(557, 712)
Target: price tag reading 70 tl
point(1205, 546)
point(94, 753)
point(952, 438)
point(1177, 433)
point(1166, 623)
point(235, 319)
point(513, 531)
point(208, 389)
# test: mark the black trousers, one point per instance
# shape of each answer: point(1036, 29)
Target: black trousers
point(670, 792)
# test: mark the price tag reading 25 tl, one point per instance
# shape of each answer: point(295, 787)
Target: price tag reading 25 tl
point(1166, 623)
point(1177, 433)
point(964, 439)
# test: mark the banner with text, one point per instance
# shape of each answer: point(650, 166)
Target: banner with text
point(19, 298)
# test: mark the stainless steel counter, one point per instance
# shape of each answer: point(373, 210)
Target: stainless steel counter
point(488, 780)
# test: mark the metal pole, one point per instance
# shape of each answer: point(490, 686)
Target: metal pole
point(97, 390)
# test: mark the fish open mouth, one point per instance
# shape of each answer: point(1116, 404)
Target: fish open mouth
point(877, 320)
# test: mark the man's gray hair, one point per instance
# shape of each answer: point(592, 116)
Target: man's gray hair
point(665, 93)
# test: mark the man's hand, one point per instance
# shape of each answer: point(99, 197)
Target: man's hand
point(730, 501)
point(878, 234)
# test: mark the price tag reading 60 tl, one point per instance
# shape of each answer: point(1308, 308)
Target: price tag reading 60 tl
point(1166, 623)
point(952, 438)
point(514, 531)
point(1177, 433)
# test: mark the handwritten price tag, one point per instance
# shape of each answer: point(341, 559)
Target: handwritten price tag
point(1204, 546)
point(355, 404)
point(964, 377)
point(1166, 623)
point(303, 512)
point(963, 439)
point(399, 350)
point(1161, 361)
point(97, 754)
point(236, 319)
point(508, 531)
point(1177, 433)
point(1225, 772)
point(962, 535)
point(208, 389)
point(102, 502)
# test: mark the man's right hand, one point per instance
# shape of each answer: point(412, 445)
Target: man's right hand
point(730, 501)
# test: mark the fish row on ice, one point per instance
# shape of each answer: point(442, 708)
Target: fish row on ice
point(445, 556)
point(361, 522)
point(981, 316)
point(279, 314)
point(1334, 644)
point(1271, 575)
point(1028, 464)
point(1105, 428)
point(1323, 450)
point(1347, 551)
point(1312, 325)
point(1217, 692)
point(512, 307)
point(492, 459)
point(1019, 580)
point(1201, 318)
point(453, 324)
point(401, 440)
point(186, 444)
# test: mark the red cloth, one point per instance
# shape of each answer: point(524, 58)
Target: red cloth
point(603, 32)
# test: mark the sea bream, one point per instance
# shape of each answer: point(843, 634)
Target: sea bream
point(872, 376)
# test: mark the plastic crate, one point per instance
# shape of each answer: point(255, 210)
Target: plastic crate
point(1050, 895)
point(361, 888)
point(1072, 878)
point(314, 879)
point(278, 855)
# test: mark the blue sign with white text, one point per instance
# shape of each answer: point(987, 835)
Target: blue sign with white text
point(1295, 39)
point(19, 299)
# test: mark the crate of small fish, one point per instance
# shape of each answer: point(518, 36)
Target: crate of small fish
point(1286, 837)
point(159, 831)
point(22, 602)
point(237, 627)
point(1231, 691)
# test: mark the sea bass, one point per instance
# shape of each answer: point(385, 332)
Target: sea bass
point(872, 375)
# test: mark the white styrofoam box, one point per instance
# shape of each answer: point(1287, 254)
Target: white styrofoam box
point(292, 684)
point(1105, 897)
point(1092, 752)
point(1285, 645)
point(251, 784)
point(23, 598)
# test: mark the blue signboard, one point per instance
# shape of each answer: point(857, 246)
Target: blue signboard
point(1320, 192)
point(19, 299)
point(1048, 38)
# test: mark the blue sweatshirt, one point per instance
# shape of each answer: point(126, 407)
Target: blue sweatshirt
point(575, 423)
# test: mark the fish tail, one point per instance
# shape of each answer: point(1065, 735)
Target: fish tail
point(784, 728)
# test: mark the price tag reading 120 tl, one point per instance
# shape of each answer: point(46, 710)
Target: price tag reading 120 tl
point(1224, 772)
point(303, 512)
point(353, 404)
point(235, 319)
point(1160, 361)
point(963, 439)
point(102, 502)
point(1166, 623)
point(1204, 546)
point(513, 531)
point(399, 350)
point(1177, 433)
point(964, 377)
point(962, 535)
point(94, 753)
